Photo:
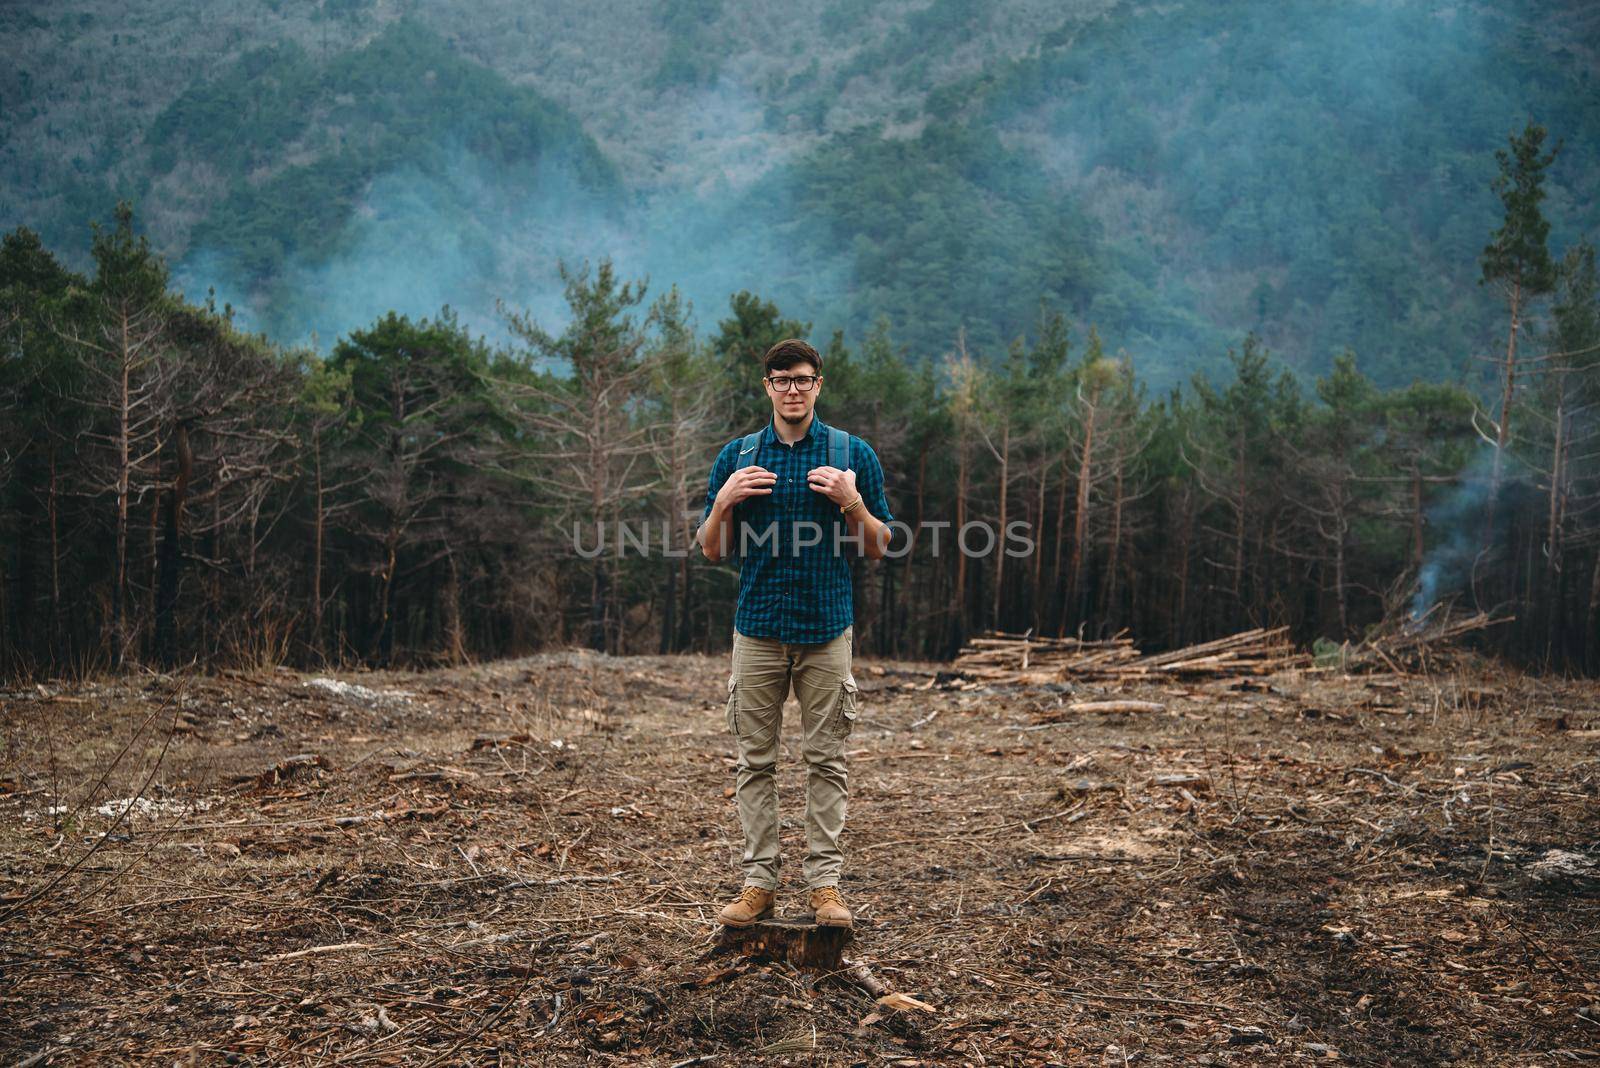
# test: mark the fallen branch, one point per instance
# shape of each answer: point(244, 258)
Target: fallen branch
point(317, 951)
point(1116, 706)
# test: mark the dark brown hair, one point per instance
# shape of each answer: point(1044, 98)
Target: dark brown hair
point(785, 354)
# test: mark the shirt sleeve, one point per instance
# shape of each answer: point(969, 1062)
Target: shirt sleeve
point(869, 482)
point(721, 470)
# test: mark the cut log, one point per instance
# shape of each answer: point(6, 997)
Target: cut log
point(799, 942)
point(862, 976)
point(1116, 706)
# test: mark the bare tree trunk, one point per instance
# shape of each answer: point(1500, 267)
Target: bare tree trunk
point(1554, 523)
point(1591, 639)
point(1061, 535)
point(385, 637)
point(597, 611)
point(1000, 555)
point(617, 612)
point(1339, 580)
point(1502, 434)
point(1239, 533)
point(21, 644)
point(152, 564)
point(1080, 522)
point(1114, 564)
point(13, 653)
point(455, 635)
point(172, 553)
point(669, 607)
point(1037, 596)
point(52, 509)
point(214, 583)
point(910, 585)
point(958, 619)
point(922, 477)
point(686, 616)
point(1185, 535)
point(1417, 547)
point(319, 521)
point(598, 467)
point(120, 580)
point(885, 634)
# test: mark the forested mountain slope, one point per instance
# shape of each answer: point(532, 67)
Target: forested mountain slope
point(1176, 174)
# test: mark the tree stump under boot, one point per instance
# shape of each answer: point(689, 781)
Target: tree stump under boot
point(800, 942)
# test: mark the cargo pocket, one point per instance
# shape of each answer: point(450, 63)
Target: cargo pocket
point(845, 721)
point(733, 705)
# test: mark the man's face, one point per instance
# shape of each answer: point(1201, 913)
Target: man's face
point(792, 404)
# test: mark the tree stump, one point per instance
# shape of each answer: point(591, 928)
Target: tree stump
point(799, 942)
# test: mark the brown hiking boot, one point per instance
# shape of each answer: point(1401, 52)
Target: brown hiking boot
point(829, 907)
point(752, 904)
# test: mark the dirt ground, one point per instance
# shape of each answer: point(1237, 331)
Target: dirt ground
point(519, 862)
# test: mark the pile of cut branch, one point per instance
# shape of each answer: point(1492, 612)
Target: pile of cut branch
point(1411, 642)
point(1252, 652)
point(999, 656)
point(1023, 659)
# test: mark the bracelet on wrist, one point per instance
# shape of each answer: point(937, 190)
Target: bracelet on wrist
point(847, 508)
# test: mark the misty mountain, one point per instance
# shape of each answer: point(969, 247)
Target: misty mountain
point(1177, 176)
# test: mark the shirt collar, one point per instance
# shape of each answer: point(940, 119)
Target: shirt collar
point(817, 428)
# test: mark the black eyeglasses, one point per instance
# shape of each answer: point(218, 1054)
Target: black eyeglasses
point(801, 382)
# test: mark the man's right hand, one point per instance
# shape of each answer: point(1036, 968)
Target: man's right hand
point(746, 482)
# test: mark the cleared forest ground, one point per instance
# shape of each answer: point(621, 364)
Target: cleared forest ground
point(519, 861)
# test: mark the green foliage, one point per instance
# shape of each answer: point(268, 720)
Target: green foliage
point(432, 469)
point(1518, 253)
point(405, 100)
point(327, 389)
point(16, 19)
point(1426, 435)
point(1349, 400)
point(1261, 403)
point(743, 338)
point(948, 230)
point(1322, 165)
point(127, 271)
point(693, 56)
point(28, 272)
point(842, 18)
point(1329, 654)
point(343, 9)
point(601, 325)
point(1317, 173)
point(241, 120)
point(680, 364)
point(33, 369)
point(939, 27)
point(397, 367)
point(1576, 314)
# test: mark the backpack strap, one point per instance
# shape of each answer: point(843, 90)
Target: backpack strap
point(747, 449)
point(838, 448)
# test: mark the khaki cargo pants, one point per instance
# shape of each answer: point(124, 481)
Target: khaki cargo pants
point(763, 671)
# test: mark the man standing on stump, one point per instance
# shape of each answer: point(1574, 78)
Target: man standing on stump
point(795, 500)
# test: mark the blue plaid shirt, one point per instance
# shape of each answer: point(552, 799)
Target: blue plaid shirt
point(790, 590)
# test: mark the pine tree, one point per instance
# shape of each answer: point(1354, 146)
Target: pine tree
point(1516, 261)
point(117, 330)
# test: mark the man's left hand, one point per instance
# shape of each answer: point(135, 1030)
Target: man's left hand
point(836, 485)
